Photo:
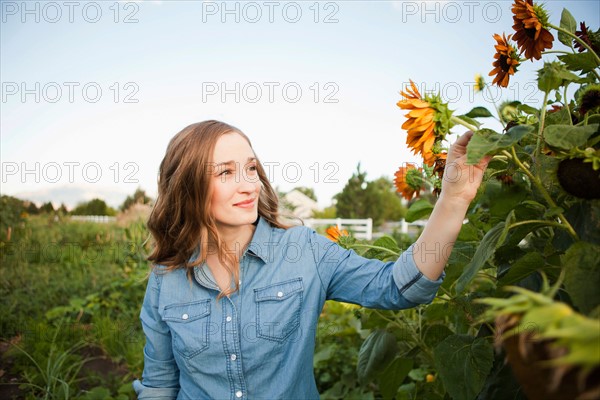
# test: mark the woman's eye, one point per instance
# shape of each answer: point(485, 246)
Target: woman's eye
point(226, 172)
point(252, 168)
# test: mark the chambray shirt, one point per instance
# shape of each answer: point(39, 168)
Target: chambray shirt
point(259, 342)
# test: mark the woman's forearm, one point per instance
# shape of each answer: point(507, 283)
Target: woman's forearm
point(433, 247)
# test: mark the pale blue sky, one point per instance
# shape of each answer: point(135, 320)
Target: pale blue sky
point(178, 50)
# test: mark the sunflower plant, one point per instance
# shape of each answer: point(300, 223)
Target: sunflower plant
point(522, 281)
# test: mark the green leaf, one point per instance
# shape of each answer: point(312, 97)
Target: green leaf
point(528, 109)
point(567, 136)
point(489, 243)
point(392, 377)
point(375, 354)
point(568, 23)
point(478, 112)
point(554, 75)
point(468, 233)
point(582, 278)
point(584, 62)
point(385, 241)
point(486, 141)
point(463, 363)
point(420, 209)
point(522, 268)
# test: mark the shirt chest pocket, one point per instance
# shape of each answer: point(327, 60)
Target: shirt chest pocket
point(278, 308)
point(189, 325)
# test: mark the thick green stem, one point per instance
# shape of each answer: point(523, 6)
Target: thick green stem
point(540, 138)
point(567, 105)
point(370, 246)
point(581, 42)
point(538, 221)
point(467, 125)
point(538, 184)
point(496, 106)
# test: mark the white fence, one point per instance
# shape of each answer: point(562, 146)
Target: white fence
point(94, 218)
point(360, 228)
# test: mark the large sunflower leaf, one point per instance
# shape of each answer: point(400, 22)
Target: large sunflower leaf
point(582, 277)
point(486, 141)
point(464, 363)
point(484, 252)
point(569, 24)
point(375, 354)
point(567, 136)
point(418, 210)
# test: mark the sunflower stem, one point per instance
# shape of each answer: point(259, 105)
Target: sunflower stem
point(567, 105)
point(467, 125)
point(581, 42)
point(538, 184)
point(538, 145)
point(496, 106)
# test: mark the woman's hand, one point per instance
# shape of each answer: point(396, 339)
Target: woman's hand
point(461, 181)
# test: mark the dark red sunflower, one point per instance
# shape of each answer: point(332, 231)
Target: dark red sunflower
point(590, 37)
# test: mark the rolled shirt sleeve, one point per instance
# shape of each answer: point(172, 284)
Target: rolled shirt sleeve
point(413, 285)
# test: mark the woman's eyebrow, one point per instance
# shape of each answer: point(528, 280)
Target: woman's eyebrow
point(250, 159)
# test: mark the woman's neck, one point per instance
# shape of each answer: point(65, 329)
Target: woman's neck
point(237, 238)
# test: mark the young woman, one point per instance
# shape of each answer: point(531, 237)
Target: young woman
point(232, 302)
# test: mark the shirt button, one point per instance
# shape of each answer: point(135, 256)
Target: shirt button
point(233, 358)
point(185, 316)
point(279, 294)
point(238, 393)
point(228, 319)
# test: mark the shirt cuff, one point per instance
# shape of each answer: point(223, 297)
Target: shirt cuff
point(413, 285)
point(146, 392)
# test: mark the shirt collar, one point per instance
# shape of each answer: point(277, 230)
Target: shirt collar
point(261, 240)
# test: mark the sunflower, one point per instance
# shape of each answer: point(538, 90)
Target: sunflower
point(479, 83)
point(409, 181)
point(419, 123)
point(531, 36)
point(427, 122)
point(333, 233)
point(506, 62)
point(588, 36)
point(434, 158)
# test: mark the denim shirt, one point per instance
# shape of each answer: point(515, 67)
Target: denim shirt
point(259, 342)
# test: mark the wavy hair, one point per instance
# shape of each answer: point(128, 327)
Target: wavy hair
point(180, 221)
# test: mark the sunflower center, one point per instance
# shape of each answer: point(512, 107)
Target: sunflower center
point(504, 63)
point(530, 32)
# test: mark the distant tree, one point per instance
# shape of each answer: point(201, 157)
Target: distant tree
point(32, 209)
point(12, 214)
point(363, 199)
point(351, 201)
point(63, 209)
point(309, 192)
point(326, 213)
point(138, 197)
point(47, 208)
point(93, 207)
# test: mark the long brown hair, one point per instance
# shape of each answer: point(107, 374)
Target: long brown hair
point(180, 221)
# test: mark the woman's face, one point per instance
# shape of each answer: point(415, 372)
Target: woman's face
point(235, 182)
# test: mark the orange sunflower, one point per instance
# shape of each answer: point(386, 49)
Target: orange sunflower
point(531, 36)
point(506, 62)
point(333, 233)
point(419, 124)
point(409, 181)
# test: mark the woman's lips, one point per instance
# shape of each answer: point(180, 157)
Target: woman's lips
point(245, 204)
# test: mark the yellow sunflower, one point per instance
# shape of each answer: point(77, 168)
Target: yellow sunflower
point(409, 181)
point(419, 124)
point(333, 233)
